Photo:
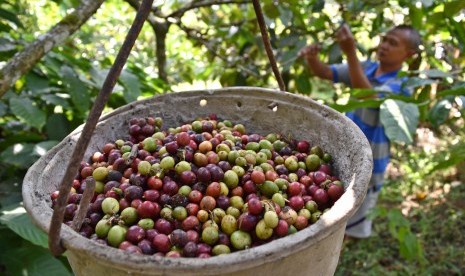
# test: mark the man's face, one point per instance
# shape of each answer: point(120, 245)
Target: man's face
point(393, 48)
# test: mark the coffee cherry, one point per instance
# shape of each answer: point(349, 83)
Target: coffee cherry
point(210, 235)
point(262, 231)
point(271, 219)
point(110, 206)
point(116, 235)
point(241, 240)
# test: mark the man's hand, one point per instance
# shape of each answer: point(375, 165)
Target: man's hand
point(346, 40)
point(320, 69)
point(310, 52)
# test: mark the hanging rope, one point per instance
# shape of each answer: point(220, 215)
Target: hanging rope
point(266, 42)
point(54, 240)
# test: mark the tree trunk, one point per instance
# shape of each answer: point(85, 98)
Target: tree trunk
point(25, 60)
point(161, 29)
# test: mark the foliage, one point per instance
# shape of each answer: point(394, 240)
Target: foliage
point(400, 229)
point(211, 44)
point(434, 222)
point(29, 255)
point(418, 217)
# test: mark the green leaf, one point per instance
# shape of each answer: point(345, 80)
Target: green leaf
point(36, 83)
point(416, 82)
point(77, 90)
point(288, 58)
point(457, 31)
point(19, 155)
point(318, 6)
point(57, 127)
point(453, 156)
point(354, 104)
point(41, 148)
point(286, 15)
point(395, 218)
point(132, 86)
point(453, 7)
point(20, 136)
point(408, 245)
point(16, 218)
point(454, 159)
point(116, 100)
point(319, 23)
point(435, 73)
point(6, 45)
point(271, 10)
point(424, 95)
point(436, 18)
point(459, 91)
point(377, 23)
point(3, 109)
point(57, 100)
point(303, 84)
point(289, 40)
point(363, 93)
point(5, 28)
point(28, 259)
point(10, 17)
point(10, 190)
point(228, 78)
point(439, 113)
point(415, 15)
point(399, 119)
point(335, 53)
point(26, 110)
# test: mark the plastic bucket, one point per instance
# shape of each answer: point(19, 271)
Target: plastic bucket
point(311, 251)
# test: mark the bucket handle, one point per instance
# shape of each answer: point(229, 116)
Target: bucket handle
point(54, 240)
point(267, 44)
point(84, 204)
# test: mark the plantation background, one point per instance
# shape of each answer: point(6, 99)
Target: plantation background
point(54, 57)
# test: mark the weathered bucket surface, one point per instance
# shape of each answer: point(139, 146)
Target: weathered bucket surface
point(311, 251)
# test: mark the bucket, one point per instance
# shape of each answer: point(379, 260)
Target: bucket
point(312, 251)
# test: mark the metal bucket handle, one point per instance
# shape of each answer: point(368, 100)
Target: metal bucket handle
point(54, 240)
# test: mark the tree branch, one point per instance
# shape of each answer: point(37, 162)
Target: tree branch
point(160, 27)
point(197, 36)
point(198, 4)
point(25, 60)
point(161, 30)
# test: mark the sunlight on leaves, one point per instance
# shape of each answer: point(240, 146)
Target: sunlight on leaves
point(399, 119)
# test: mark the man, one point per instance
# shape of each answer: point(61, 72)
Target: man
point(395, 48)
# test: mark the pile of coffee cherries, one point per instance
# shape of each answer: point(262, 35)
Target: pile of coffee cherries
point(201, 189)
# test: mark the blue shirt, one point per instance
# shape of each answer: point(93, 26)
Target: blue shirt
point(367, 119)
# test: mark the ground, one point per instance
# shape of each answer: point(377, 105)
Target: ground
point(419, 232)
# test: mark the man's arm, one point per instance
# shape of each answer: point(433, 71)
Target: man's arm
point(346, 41)
point(319, 68)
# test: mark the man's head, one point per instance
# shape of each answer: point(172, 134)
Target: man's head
point(399, 44)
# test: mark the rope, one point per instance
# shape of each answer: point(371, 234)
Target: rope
point(54, 241)
point(266, 42)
